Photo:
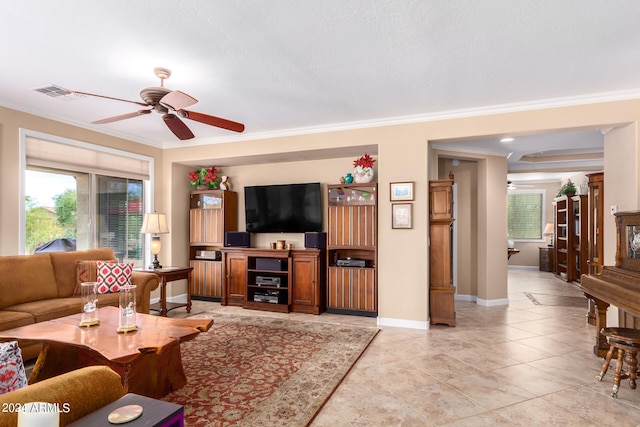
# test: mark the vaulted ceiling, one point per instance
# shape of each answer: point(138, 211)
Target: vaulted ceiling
point(285, 67)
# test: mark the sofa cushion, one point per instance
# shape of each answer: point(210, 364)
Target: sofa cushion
point(113, 276)
point(26, 278)
point(64, 265)
point(12, 375)
point(44, 310)
point(87, 271)
point(15, 319)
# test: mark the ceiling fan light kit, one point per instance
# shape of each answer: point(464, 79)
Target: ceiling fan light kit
point(167, 102)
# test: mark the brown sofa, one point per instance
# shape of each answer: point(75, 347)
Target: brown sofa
point(40, 287)
point(77, 394)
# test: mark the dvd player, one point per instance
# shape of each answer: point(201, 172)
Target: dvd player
point(273, 297)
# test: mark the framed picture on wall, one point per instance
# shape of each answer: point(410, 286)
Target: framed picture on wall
point(401, 215)
point(401, 191)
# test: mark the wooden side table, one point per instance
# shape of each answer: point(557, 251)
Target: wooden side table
point(547, 259)
point(170, 274)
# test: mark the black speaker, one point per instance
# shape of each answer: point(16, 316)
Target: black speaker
point(237, 239)
point(315, 240)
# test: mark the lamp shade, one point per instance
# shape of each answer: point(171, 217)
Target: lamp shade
point(548, 229)
point(154, 223)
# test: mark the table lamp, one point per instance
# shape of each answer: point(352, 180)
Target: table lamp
point(155, 224)
point(548, 231)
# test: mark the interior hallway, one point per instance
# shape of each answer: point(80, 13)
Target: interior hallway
point(529, 363)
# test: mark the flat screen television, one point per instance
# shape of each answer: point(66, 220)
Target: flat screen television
point(286, 208)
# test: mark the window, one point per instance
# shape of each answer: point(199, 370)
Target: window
point(119, 217)
point(91, 194)
point(525, 217)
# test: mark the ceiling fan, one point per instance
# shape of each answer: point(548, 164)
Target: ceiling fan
point(512, 186)
point(171, 104)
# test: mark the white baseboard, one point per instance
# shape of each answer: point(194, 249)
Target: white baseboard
point(470, 298)
point(524, 267)
point(492, 302)
point(178, 299)
point(402, 323)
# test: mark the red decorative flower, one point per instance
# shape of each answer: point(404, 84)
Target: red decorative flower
point(205, 176)
point(365, 161)
point(210, 175)
point(194, 177)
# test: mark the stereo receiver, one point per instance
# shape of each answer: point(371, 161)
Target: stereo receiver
point(212, 255)
point(268, 281)
point(350, 262)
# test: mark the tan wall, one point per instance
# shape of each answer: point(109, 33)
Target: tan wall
point(403, 155)
point(621, 183)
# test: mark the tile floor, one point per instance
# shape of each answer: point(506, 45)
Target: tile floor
point(530, 363)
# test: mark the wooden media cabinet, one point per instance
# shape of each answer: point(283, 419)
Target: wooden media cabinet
point(274, 279)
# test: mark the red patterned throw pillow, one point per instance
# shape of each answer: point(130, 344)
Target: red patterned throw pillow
point(87, 271)
point(113, 276)
point(12, 375)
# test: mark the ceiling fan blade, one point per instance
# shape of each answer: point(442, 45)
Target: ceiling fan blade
point(109, 97)
point(211, 120)
point(177, 100)
point(121, 117)
point(177, 126)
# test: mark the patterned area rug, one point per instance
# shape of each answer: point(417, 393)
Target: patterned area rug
point(263, 371)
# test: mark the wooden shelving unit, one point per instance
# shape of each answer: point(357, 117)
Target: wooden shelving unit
point(211, 214)
point(580, 236)
point(352, 234)
point(571, 236)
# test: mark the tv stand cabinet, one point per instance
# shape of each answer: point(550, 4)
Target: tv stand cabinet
point(274, 280)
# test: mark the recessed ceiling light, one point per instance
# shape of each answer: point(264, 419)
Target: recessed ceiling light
point(507, 139)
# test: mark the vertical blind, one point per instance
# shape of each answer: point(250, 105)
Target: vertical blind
point(119, 216)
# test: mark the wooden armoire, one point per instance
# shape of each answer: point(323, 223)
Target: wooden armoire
point(441, 289)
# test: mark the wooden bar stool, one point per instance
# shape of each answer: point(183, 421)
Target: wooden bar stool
point(627, 343)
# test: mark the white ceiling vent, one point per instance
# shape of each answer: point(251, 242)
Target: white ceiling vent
point(56, 91)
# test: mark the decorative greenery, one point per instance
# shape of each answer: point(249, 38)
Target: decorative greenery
point(206, 177)
point(568, 189)
point(364, 162)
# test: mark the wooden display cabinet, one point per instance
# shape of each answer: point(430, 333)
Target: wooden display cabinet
point(352, 235)
point(441, 289)
point(211, 214)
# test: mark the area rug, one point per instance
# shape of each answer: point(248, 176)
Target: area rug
point(265, 371)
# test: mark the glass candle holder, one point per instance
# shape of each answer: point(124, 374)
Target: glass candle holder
point(127, 308)
point(89, 304)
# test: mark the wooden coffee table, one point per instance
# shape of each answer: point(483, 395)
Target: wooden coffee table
point(148, 360)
